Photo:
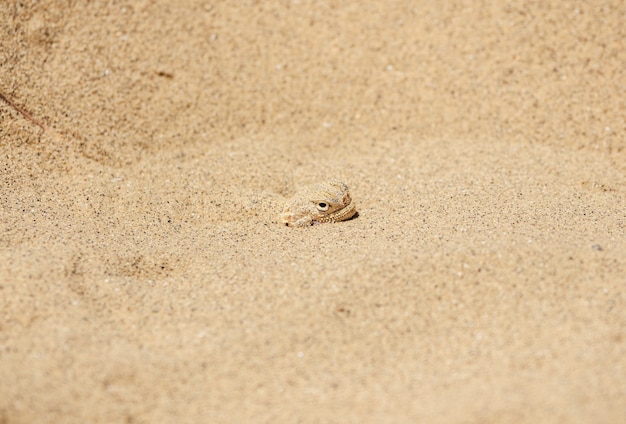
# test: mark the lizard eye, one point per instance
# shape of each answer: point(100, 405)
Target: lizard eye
point(322, 206)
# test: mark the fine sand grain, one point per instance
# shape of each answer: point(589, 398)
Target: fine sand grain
point(147, 149)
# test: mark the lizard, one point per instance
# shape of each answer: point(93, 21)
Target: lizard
point(327, 201)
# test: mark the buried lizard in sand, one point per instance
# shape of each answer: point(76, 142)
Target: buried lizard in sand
point(328, 201)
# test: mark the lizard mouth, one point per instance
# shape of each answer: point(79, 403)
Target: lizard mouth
point(343, 214)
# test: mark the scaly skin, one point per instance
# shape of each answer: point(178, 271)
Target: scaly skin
point(328, 201)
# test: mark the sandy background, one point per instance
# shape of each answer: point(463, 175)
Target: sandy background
point(144, 276)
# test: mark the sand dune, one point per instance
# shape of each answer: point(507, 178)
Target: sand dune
point(148, 149)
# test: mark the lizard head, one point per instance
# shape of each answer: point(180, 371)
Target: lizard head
point(328, 201)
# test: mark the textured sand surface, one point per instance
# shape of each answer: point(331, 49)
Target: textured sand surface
point(147, 148)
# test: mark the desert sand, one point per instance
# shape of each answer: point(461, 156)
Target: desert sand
point(148, 147)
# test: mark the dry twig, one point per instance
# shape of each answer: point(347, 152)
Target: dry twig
point(22, 112)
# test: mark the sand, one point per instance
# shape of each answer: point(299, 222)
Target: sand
point(147, 148)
